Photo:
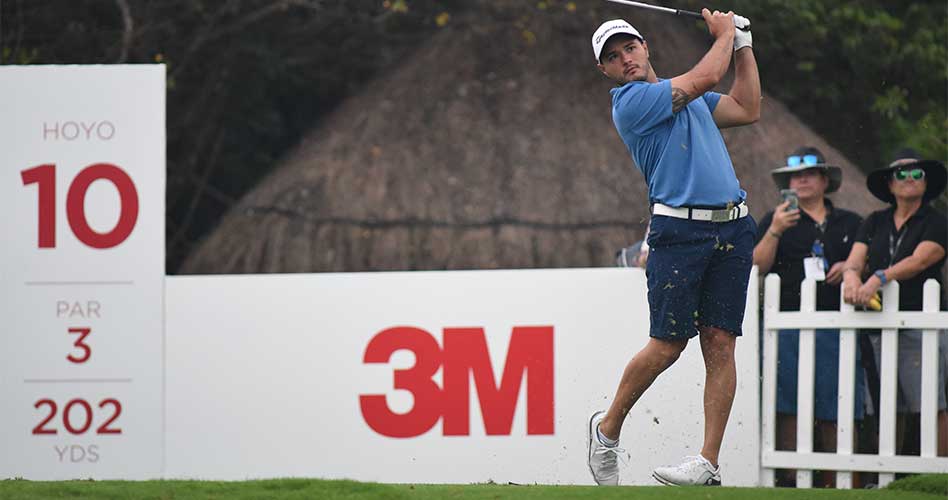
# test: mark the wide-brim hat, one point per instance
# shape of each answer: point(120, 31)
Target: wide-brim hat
point(936, 176)
point(782, 175)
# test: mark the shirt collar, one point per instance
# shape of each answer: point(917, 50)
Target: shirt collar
point(830, 211)
point(921, 212)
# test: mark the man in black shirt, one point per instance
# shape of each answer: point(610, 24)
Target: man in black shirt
point(813, 242)
point(906, 243)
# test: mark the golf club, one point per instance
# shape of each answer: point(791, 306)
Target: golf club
point(667, 10)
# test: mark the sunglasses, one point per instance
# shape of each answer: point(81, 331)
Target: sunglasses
point(796, 160)
point(915, 173)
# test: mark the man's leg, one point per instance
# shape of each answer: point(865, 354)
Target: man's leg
point(825, 431)
point(942, 433)
point(639, 374)
point(676, 263)
point(604, 427)
point(680, 252)
point(717, 346)
point(786, 441)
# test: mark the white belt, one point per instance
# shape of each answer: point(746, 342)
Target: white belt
point(719, 215)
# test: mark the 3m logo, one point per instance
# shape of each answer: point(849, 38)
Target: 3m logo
point(464, 355)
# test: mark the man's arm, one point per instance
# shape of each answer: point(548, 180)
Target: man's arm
point(765, 252)
point(926, 254)
point(712, 67)
point(852, 273)
point(741, 105)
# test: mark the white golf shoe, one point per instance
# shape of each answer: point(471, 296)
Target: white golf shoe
point(694, 471)
point(603, 460)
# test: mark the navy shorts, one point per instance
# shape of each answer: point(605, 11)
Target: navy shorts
point(697, 275)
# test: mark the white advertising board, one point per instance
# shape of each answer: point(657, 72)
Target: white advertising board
point(82, 189)
point(430, 377)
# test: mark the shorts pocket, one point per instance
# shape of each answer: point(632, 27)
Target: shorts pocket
point(655, 229)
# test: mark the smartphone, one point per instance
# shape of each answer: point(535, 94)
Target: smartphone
point(791, 196)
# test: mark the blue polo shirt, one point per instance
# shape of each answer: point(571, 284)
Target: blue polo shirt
point(682, 155)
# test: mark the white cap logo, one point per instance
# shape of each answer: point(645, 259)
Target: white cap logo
point(609, 28)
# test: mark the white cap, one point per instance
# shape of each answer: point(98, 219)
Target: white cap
point(609, 28)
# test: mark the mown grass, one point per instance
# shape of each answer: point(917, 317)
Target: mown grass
point(928, 487)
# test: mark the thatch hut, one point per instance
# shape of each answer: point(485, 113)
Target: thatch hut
point(491, 146)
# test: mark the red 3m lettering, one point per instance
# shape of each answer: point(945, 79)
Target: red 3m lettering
point(417, 380)
point(530, 355)
point(465, 355)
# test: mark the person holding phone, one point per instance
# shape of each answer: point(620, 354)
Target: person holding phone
point(808, 241)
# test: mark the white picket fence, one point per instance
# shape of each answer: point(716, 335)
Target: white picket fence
point(847, 320)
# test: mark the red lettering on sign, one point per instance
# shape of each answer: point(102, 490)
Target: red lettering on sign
point(76, 205)
point(529, 355)
point(44, 176)
point(417, 380)
point(465, 355)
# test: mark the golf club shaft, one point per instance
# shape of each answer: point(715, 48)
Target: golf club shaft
point(667, 10)
point(677, 12)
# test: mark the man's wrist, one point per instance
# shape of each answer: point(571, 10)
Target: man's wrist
point(880, 275)
point(774, 234)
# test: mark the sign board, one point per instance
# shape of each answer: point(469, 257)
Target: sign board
point(82, 190)
point(430, 377)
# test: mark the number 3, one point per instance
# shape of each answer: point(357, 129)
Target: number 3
point(83, 333)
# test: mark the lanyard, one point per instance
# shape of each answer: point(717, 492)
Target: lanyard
point(817, 251)
point(895, 244)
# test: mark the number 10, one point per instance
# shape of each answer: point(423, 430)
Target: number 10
point(45, 178)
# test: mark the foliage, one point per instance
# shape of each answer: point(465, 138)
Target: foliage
point(245, 77)
point(869, 75)
point(936, 484)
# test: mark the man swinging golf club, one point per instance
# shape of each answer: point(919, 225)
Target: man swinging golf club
point(701, 237)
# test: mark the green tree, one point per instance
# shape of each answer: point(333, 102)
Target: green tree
point(870, 75)
point(246, 78)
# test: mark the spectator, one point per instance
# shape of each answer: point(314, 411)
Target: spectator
point(906, 243)
point(812, 241)
point(634, 255)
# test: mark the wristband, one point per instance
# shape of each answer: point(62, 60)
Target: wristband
point(881, 275)
point(775, 235)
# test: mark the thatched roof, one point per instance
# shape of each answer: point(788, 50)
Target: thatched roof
point(492, 146)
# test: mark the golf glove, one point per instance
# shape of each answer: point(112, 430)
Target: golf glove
point(742, 38)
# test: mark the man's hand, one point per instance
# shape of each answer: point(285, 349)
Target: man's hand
point(835, 273)
point(719, 23)
point(742, 36)
point(851, 285)
point(868, 289)
point(784, 219)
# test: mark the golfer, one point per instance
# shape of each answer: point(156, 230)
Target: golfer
point(701, 237)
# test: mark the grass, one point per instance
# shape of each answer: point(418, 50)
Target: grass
point(929, 487)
